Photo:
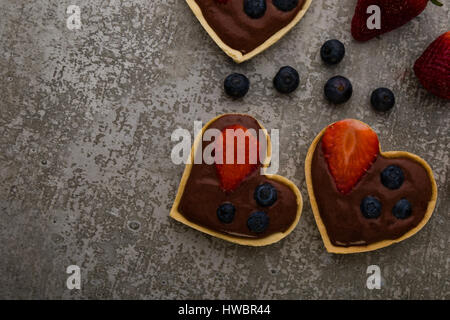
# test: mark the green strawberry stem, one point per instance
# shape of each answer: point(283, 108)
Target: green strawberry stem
point(436, 2)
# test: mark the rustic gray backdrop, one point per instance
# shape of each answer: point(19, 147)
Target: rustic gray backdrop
point(85, 173)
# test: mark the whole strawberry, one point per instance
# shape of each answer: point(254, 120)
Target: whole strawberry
point(433, 67)
point(393, 14)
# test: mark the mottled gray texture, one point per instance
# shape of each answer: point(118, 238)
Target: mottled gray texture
point(85, 173)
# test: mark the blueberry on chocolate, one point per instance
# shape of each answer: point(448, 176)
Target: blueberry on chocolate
point(285, 5)
point(370, 207)
point(226, 212)
point(402, 209)
point(255, 9)
point(392, 177)
point(265, 195)
point(258, 222)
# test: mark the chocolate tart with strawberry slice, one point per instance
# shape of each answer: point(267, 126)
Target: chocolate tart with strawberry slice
point(237, 201)
point(362, 198)
point(245, 28)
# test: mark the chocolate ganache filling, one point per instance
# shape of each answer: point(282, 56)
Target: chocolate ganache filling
point(203, 195)
point(237, 29)
point(341, 213)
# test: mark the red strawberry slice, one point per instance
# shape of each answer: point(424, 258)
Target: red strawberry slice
point(350, 147)
point(433, 67)
point(394, 14)
point(231, 172)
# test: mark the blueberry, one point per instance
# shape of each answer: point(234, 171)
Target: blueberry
point(255, 8)
point(332, 51)
point(236, 85)
point(392, 177)
point(265, 195)
point(286, 80)
point(338, 90)
point(226, 212)
point(258, 222)
point(382, 99)
point(402, 209)
point(285, 5)
point(370, 207)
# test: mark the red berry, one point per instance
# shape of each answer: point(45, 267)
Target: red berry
point(394, 13)
point(350, 147)
point(232, 174)
point(433, 67)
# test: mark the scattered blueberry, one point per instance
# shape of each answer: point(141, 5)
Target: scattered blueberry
point(255, 8)
point(332, 51)
point(226, 212)
point(236, 85)
point(285, 5)
point(258, 222)
point(265, 195)
point(392, 177)
point(286, 80)
point(370, 207)
point(338, 90)
point(402, 209)
point(382, 99)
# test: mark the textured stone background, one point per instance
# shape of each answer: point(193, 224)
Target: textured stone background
point(85, 171)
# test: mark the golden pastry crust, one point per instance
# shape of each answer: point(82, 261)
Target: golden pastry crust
point(236, 55)
point(175, 214)
point(381, 244)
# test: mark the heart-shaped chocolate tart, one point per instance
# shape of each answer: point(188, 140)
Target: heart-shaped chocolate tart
point(362, 198)
point(236, 200)
point(245, 28)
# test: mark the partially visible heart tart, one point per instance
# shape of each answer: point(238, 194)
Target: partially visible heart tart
point(237, 201)
point(245, 28)
point(362, 198)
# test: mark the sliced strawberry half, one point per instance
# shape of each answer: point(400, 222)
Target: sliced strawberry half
point(350, 147)
point(231, 172)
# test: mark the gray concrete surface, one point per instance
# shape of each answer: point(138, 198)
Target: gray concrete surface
point(85, 172)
